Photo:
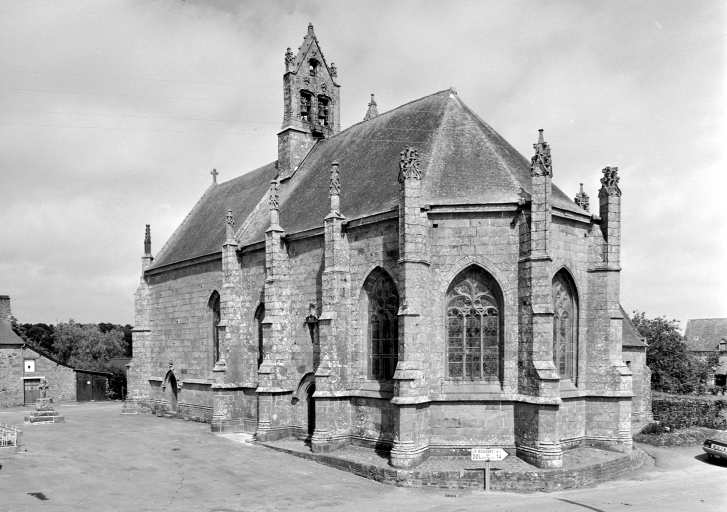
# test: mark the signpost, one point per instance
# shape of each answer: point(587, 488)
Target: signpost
point(488, 454)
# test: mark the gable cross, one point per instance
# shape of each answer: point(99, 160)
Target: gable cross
point(214, 174)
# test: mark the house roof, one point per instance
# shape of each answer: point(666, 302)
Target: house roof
point(463, 161)
point(704, 334)
point(631, 336)
point(8, 336)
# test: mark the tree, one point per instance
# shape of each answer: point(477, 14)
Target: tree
point(673, 368)
point(86, 347)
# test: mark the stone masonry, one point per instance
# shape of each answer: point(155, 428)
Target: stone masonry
point(421, 298)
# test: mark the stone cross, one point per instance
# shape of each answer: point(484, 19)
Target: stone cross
point(214, 174)
point(43, 386)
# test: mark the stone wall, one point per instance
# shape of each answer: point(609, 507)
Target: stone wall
point(635, 359)
point(11, 375)
point(472, 424)
point(61, 379)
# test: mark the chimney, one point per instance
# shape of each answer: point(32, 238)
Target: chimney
point(5, 309)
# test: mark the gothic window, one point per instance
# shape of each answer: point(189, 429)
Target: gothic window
point(565, 326)
point(305, 106)
point(474, 327)
point(383, 328)
point(323, 111)
point(313, 67)
point(260, 318)
point(214, 306)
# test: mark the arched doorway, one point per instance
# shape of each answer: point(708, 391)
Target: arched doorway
point(170, 391)
point(307, 405)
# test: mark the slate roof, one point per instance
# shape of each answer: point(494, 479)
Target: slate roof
point(203, 231)
point(631, 336)
point(463, 161)
point(8, 336)
point(708, 331)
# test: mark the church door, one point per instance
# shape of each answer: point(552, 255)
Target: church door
point(32, 390)
point(311, 408)
point(170, 392)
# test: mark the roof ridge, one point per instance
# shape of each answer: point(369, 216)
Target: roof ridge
point(389, 112)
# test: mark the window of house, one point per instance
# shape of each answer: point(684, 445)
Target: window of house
point(214, 306)
point(260, 318)
point(383, 328)
point(305, 106)
point(29, 365)
point(565, 326)
point(313, 67)
point(474, 327)
point(722, 346)
point(323, 111)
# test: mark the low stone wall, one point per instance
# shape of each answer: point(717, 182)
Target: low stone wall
point(683, 412)
point(514, 481)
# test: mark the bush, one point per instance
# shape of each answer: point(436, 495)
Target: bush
point(676, 413)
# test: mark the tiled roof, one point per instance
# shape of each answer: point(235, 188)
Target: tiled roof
point(631, 337)
point(463, 161)
point(8, 336)
point(203, 231)
point(705, 333)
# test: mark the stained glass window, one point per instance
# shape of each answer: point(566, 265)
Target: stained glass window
point(565, 327)
point(473, 327)
point(383, 328)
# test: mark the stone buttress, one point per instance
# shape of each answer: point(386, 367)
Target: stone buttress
point(608, 414)
point(536, 428)
point(411, 422)
point(333, 321)
point(274, 382)
point(139, 369)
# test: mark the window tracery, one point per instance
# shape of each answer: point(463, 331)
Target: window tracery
point(383, 328)
point(565, 327)
point(473, 327)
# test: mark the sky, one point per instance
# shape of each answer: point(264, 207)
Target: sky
point(114, 112)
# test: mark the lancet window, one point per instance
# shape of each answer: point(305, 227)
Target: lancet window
point(383, 328)
point(474, 327)
point(214, 306)
point(260, 318)
point(565, 326)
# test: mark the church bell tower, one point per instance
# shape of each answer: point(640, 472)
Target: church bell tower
point(311, 103)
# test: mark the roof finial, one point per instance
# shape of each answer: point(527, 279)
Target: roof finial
point(541, 164)
point(409, 164)
point(289, 59)
point(147, 240)
point(274, 195)
point(214, 174)
point(310, 29)
point(335, 188)
point(581, 199)
point(372, 111)
point(609, 182)
point(230, 225)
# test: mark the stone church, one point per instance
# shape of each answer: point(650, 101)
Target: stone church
point(411, 284)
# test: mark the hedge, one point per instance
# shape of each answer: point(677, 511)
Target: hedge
point(685, 412)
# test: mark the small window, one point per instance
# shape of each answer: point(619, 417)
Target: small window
point(696, 338)
point(628, 364)
point(29, 365)
point(305, 106)
point(214, 306)
point(313, 67)
point(260, 317)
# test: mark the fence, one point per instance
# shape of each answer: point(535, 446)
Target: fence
point(8, 435)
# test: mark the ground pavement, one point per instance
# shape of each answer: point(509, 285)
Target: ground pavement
point(100, 460)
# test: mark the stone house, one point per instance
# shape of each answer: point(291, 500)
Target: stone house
point(411, 284)
point(706, 337)
point(22, 369)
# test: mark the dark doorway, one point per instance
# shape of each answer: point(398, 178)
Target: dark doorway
point(311, 408)
point(32, 390)
point(170, 391)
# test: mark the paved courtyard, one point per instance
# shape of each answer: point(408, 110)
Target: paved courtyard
point(100, 460)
